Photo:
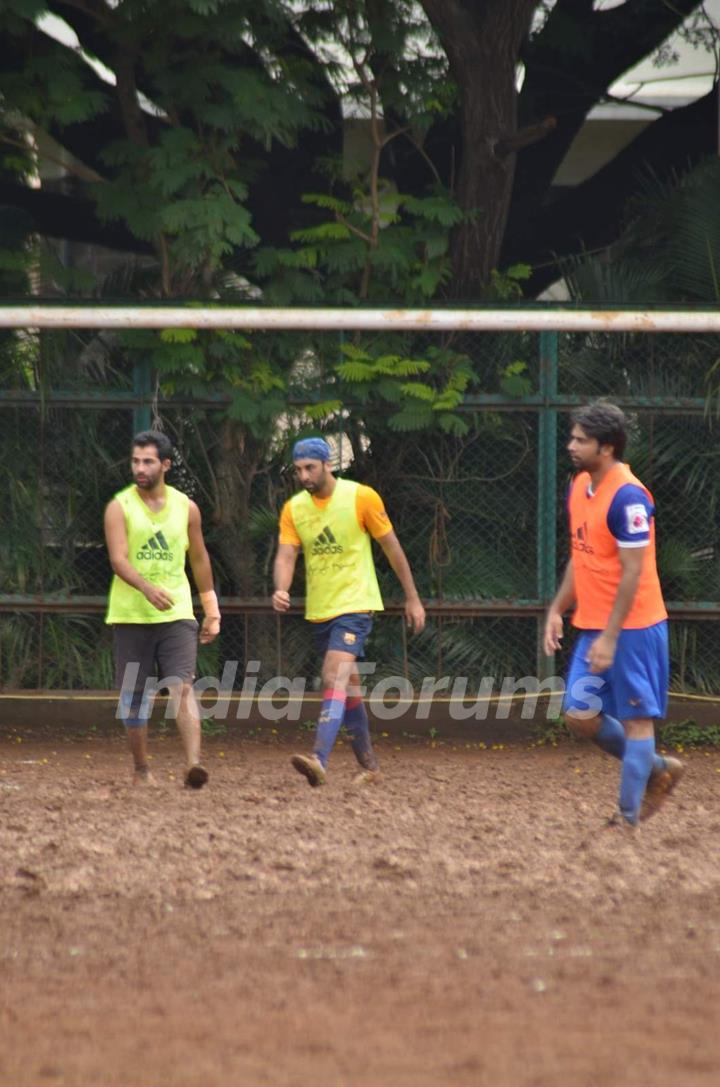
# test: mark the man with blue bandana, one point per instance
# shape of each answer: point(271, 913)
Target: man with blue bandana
point(332, 520)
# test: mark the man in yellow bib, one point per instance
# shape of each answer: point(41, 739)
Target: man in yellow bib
point(332, 521)
point(150, 527)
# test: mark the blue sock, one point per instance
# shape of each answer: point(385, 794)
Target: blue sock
point(358, 729)
point(611, 738)
point(636, 766)
point(331, 716)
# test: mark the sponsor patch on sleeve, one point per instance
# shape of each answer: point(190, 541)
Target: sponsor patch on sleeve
point(636, 520)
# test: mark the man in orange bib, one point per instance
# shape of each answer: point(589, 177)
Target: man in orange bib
point(618, 676)
point(332, 521)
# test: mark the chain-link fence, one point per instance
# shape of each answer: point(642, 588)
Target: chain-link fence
point(479, 508)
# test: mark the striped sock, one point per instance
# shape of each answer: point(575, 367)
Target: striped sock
point(358, 728)
point(331, 716)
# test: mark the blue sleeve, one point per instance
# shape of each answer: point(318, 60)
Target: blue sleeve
point(629, 516)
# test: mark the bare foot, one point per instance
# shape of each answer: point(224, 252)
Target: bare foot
point(143, 777)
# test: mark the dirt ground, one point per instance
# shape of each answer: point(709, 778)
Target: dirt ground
point(467, 922)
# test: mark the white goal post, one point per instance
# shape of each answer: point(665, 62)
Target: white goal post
point(326, 319)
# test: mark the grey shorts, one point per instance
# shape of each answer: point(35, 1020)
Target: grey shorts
point(152, 650)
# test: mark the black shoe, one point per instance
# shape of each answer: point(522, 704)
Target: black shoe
point(196, 777)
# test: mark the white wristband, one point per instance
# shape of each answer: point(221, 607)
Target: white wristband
point(210, 604)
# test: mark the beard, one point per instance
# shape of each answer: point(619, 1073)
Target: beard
point(147, 482)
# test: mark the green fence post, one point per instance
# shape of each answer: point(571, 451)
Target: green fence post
point(547, 487)
point(142, 387)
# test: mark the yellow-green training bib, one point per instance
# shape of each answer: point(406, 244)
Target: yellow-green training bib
point(157, 545)
point(339, 567)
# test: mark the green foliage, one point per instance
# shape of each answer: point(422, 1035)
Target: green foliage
point(669, 251)
point(361, 367)
point(323, 410)
point(15, 230)
point(689, 733)
point(263, 522)
point(550, 732)
point(57, 652)
point(694, 668)
point(17, 263)
point(52, 92)
point(256, 372)
point(178, 175)
point(179, 335)
point(181, 191)
point(392, 243)
point(211, 728)
point(506, 285)
point(378, 243)
point(684, 568)
point(415, 405)
point(461, 649)
point(410, 65)
point(514, 379)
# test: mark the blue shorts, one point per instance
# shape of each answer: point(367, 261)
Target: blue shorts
point(636, 683)
point(347, 633)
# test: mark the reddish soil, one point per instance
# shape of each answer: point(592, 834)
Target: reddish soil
point(466, 922)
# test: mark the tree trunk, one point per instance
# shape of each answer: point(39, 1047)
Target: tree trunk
point(482, 40)
point(237, 459)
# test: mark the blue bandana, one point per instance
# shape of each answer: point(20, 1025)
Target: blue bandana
point(311, 449)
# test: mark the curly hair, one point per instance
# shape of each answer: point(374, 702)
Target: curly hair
point(605, 422)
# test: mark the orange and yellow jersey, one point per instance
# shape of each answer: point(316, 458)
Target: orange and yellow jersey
point(334, 534)
point(369, 509)
point(619, 513)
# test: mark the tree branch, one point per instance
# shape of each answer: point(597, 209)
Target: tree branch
point(525, 137)
point(569, 66)
point(60, 216)
point(591, 215)
point(93, 9)
point(77, 169)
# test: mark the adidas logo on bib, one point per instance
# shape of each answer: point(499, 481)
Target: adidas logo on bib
point(326, 544)
point(156, 548)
